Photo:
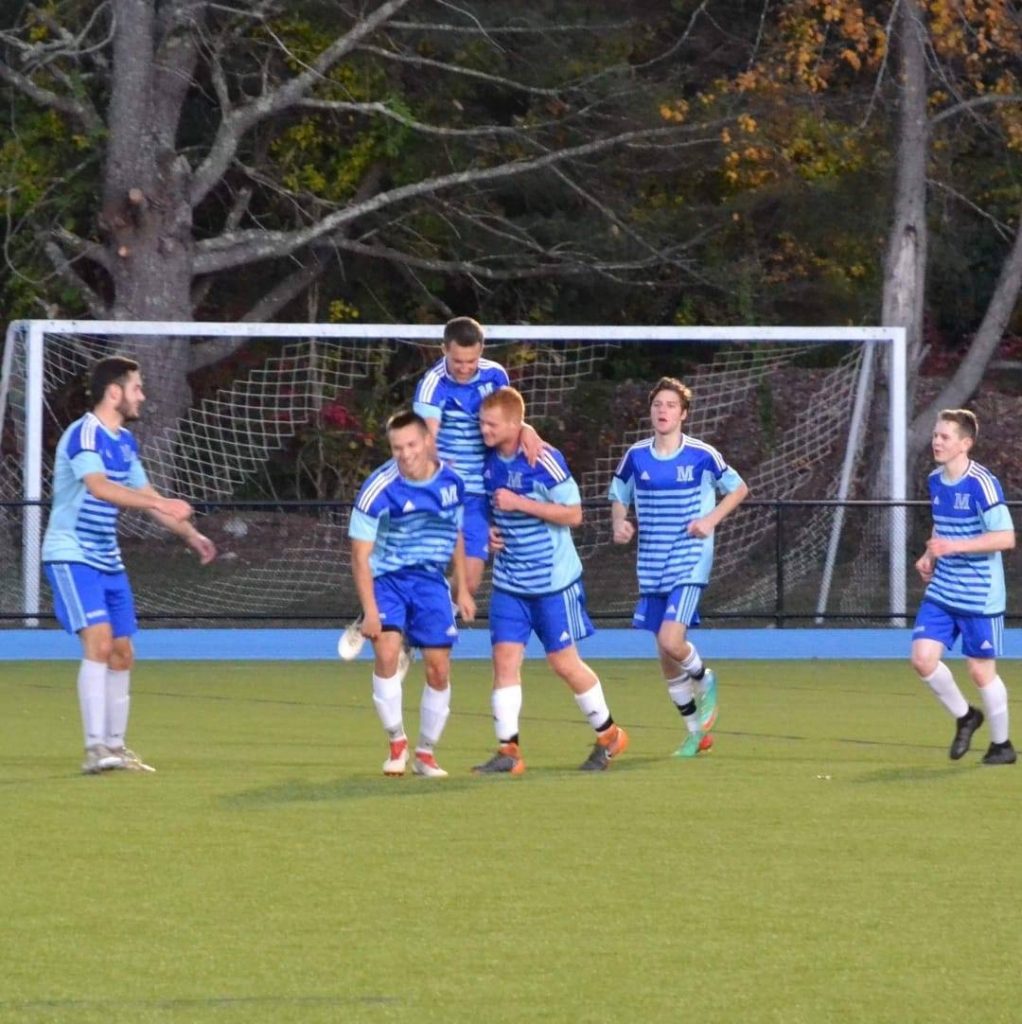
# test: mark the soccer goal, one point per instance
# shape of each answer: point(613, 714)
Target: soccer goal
point(292, 415)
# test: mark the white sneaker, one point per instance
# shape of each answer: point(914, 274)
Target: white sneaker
point(398, 760)
point(351, 641)
point(130, 761)
point(425, 765)
point(99, 758)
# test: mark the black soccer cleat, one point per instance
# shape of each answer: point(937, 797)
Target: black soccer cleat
point(1000, 753)
point(967, 726)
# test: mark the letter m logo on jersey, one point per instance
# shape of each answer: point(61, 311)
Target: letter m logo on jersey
point(685, 474)
point(449, 495)
point(962, 501)
point(485, 389)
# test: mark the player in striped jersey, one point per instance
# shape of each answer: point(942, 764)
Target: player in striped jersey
point(448, 398)
point(97, 472)
point(537, 583)
point(965, 585)
point(405, 529)
point(673, 481)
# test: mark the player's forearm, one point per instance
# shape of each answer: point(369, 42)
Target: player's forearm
point(618, 513)
point(180, 528)
point(106, 490)
point(458, 568)
point(362, 575)
point(728, 504)
point(985, 543)
point(558, 515)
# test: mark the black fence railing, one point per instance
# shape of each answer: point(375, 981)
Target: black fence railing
point(287, 563)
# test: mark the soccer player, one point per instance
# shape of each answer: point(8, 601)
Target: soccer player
point(965, 585)
point(537, 583)
point(673, 480)
point(448, 398)
point(405, 529)
point(97, 472)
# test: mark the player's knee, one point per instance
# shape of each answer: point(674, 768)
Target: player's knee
point(924, 663)
point(122, 657)
point(437, 677)
point(98, 647)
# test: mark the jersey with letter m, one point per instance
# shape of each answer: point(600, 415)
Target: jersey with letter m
point(414, 523)
point(83, 528)
point(538, 557)
point(968, 584)
point(669, 492)
point(440, 397)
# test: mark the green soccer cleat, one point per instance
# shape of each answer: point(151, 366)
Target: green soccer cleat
point(706, 701)
point(695, 743)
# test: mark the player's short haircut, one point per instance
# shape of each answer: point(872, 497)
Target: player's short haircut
point(111, 370)
point(675, 385)
point(463, 331)
point(406, 418)
point(508, 400)
point(964, 419)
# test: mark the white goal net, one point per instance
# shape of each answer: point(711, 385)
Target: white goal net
point(292, 418)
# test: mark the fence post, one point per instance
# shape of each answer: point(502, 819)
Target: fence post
point(779, 563)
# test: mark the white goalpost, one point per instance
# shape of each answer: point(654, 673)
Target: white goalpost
point(221, 445)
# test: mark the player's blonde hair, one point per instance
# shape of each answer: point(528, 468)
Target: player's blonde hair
point(508, 400)
point(964, 419)
point(683, 392)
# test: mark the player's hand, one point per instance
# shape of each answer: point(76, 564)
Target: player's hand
point(466, 604)
point(925, 566)
point(495, 539)
point(700, 528)
point(371, 626)
point(531, 444)
point(624, 531)
point(203, 547)
point(505, 500)
point(937, 547)
point(174, 508)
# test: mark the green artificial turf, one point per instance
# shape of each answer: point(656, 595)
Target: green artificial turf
point(824, 863)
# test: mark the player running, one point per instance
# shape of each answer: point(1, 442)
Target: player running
point(673, 481)
point(405, 529)
point(965, 585)
point(537, 584)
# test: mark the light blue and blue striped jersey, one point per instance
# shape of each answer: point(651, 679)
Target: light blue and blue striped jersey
point(538, 557)
point(969, 584)
point(669, 492)
point(459, 442)
point(412, 522)
point(83, 528)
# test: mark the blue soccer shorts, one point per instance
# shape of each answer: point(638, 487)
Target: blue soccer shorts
point(680, 605)
point(982, 635)
point(84, 596)
point(475, 526)
point(559, 619)
point(417, 602)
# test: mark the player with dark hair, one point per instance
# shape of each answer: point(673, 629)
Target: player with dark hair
point(673, 480)
point(965, 594)
point(97, 472)
point(537, 584)
point(405, 529)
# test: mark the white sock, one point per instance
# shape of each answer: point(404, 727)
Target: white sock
point(118, 702)
point(682, 692)
point(593, 705)
point(92, 700)
point(693, 664)
point(387, 698)
point(433, 714)
point(995, 703)
point(506, 702)
point(944, 686)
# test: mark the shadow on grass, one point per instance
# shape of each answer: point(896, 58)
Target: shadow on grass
point(910, 773)
point(207, 1002)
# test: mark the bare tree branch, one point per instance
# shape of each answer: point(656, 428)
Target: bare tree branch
point(65, 271)
point(967, 106)
point(79, 111)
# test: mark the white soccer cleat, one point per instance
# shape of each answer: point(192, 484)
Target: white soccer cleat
point(130, 761)
point(398, 761)
point(426, 766)
point(404, 661)
point(351, 641)
point(99, 758)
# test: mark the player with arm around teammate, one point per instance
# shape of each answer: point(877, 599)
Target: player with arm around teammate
point(537, 584)
point(673, 481)
point(97, 472)
point(405, 529)
point(965, 596)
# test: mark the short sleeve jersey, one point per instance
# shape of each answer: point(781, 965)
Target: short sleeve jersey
point(669, 492)
point(968, 584)
point(440, 397)
point(82, 528)
point(538, 557)
point(413, 523)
